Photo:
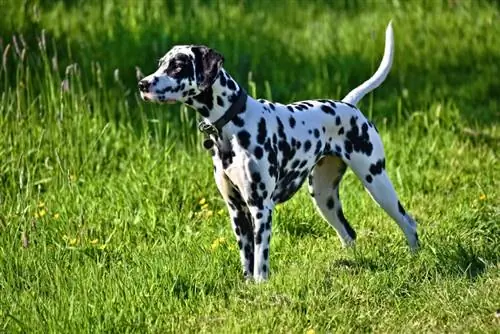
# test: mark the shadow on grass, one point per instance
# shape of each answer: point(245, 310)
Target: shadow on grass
point(458, 260)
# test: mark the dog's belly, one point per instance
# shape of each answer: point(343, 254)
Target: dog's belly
point(290, 180)
point(285, 188)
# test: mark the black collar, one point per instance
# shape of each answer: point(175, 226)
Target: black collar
point(216, 127)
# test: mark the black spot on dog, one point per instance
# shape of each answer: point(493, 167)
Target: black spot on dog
point(248, 251)
point(266, 253)
point(238, 121)
point(307, 145)
point(377, 167)
point(222, 79)
point(341, 131)
point(230, 84)
point(220, 102)
point(262, 131)
point(319, 145)
point(360, 139)
point(347, 226)
point(206, 98)
point(348, 146)
point(328, 110)
point(330, 203)
point(291, 120)
point(401, 209)
point(244, 138)
point(316, 133)
point(337, 120)
point(369, 178)
point(258, 152)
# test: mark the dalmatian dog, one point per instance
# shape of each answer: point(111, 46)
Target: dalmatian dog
point(263, 151)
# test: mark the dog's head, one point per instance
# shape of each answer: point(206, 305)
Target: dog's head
point(184, 71)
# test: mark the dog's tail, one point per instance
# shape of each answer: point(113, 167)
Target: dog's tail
point(385, 66)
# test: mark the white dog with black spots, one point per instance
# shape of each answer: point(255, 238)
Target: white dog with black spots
point(263, 151)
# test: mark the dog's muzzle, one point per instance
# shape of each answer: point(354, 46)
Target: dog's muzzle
point(144, 86)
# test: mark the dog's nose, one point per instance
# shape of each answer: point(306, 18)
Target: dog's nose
point(144, 86)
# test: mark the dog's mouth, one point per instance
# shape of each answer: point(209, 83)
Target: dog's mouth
point(157, 98)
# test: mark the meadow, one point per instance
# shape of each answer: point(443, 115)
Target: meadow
point(110, 220)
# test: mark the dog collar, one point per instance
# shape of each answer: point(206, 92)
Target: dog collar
point(216, 127)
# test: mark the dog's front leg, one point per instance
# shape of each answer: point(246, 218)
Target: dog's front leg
point(241, 220)
point(243, 231)
point(262, 218)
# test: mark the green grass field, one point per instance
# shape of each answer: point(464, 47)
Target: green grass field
point(110, 220)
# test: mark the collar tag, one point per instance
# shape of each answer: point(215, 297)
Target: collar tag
point(208, 128)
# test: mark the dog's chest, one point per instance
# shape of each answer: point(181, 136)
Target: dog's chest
point(281, 152)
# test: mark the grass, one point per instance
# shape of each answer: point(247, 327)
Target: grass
point(109, 216)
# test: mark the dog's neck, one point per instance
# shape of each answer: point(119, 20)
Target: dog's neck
point(215, 101)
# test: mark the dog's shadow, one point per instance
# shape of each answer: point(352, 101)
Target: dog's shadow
point(428, 264)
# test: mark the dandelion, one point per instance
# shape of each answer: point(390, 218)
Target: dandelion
point(209, 213)
point(72, 241)
point(482, 197)
point(95, 241)
point(204, 206)
point(42, 213)
point(56, 216)
point(101, 247)
point(310, 331)
point(221, 212)
point(202, 201)
point(217, 243)
point(41, 204)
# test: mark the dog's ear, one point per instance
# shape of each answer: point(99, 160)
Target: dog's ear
point(208, 63)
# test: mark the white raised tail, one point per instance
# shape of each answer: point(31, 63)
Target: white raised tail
point(385, 66)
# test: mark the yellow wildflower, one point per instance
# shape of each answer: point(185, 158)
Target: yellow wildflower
point(221, 212)
point(310, 331)
point(73, 241)
point(56, 216)
point(41, 204)
point(204, 206)
point(217, 242)
point(482, 197)
point(202, 201)
point(93, 242)
point(42, 213)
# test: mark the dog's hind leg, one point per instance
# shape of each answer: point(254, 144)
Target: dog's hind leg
point(379, 186)
point(324, 183)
